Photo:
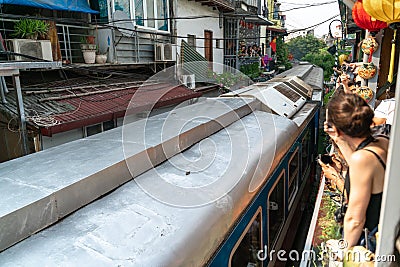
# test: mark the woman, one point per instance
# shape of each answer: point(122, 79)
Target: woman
point(348, 123)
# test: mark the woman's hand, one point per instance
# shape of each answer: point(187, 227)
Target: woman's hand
point(345, 79)
point(330, 131)
point(337, 163)
point(330, 172)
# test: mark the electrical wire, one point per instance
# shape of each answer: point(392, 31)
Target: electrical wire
point(80, 22)
point(41, 120)
point(135, 31)
point(315, 25)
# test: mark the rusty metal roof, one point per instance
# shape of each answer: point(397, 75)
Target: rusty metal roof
point(59, 109)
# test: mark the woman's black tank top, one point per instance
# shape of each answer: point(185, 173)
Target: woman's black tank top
point(375, 201)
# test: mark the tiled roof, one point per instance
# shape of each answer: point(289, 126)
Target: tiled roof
point(67, 108)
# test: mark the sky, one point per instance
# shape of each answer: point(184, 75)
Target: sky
point(308, 16)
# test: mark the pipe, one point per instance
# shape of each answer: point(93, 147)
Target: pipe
point(3, 81)
point(2, 91)
point(392, 53)
point(21, 112)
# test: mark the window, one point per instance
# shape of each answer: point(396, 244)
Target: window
point(293, 174)
point(98, 128)
point(139, 12)
point(150, 13)
point(191, 40)
point(147, 13)
point(217, 43)
point(124, 6)
point(305, 148)
point(276, 210)
point(162, 12)
point(108, 125)
point(93, 129)
point(245, 251)
point(276, 11)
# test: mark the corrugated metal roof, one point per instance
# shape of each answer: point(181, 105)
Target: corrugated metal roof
point(72, 107)
point(194, 63)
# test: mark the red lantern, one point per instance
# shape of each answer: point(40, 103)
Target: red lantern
point(365, 21)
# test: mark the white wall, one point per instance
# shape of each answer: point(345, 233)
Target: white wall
point(61, 138)
point(196, 26)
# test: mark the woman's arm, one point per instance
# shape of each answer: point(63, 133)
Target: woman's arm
point(361, 175)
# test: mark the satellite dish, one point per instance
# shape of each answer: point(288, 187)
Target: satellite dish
point(123, 23)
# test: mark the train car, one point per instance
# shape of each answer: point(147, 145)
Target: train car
point(216, 183)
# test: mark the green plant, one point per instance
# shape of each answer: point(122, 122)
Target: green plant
point(30, 28)
point(251, 70)
point(227, 79)
point(86, 44)
point(323, 59)
point(302, 45)
point(328, 96)
point(282, 54)
point(330, 228)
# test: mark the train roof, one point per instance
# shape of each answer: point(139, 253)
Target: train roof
point(140, 221)
point(237, 143)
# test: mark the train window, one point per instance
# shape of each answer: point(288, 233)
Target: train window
point(276, 210)
point(108, 125)
point(305, 148)
point(93, 129)
point(250, 243)
point(293, 174)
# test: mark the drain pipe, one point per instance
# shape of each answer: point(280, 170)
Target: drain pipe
point(3, 81)
point(3, 90)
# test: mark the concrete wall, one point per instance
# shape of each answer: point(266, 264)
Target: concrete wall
point(197, 26)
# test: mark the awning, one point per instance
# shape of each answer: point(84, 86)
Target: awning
point(258, 20)
point(275, 29)
point(251, 18)
point(65, 5)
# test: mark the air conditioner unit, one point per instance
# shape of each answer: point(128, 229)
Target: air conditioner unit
point(296, 84)
point(36, 48)
point(163, 52)
point(277, 96)
point(189, 81)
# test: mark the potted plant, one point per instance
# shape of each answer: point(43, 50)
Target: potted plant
point(31, 29)
point(89, 49)
point(101, 58)
point(26, 33)
point(87, 43)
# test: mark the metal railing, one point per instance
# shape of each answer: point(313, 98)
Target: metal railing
point(69, 37)
point(141, 43)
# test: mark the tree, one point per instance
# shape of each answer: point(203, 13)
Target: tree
point(282, 54)
point(322, 58)
point(313, 50)
point(300, 46)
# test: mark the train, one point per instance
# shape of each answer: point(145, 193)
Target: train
point(220, 182)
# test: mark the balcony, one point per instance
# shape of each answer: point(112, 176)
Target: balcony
point(222, 5)
point(247, 5)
